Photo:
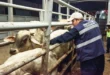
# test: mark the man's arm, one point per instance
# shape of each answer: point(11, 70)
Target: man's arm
point(68, 36)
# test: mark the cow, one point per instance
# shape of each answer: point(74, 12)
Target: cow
point(63, 47)
point(33, 38)
point(25, 41)
point(57, 51)
point(32, 68)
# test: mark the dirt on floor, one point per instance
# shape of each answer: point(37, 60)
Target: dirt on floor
point(107, 61)
point(4, 53)
point(76, 70)
point(107, 64)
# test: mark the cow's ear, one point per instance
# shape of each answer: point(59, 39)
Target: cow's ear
point(32, 31)
point(9, 39)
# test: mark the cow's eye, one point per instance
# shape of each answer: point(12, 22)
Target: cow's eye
point(24, 41)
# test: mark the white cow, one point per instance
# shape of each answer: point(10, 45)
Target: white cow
point(25, 41)
point(34, 67)
point(31, 39)
point(63, 47)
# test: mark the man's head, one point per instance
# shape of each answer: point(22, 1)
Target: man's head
point(76, 17)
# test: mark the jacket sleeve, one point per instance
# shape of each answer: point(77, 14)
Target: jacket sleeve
point(68, 36)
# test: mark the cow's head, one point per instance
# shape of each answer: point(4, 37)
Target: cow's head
point(24, 40)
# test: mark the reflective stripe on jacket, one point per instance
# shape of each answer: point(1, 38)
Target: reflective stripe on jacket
point(108, 34)
point(89, 45)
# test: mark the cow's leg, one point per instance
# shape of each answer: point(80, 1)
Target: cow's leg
point(27, 74)
point(54, 72)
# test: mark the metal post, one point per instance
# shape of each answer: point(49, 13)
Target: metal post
point(41, 16)
point(85, 16)
point(68, 11)
point(108, 19)
point(42, 12)
point(43, 4)
point(89, 17)
point(47, 18)
point(59, 11)
point(10, 19)
point(10, 15)
point(10, 12)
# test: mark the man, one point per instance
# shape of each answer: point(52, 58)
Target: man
point(89, 46)
point(108, 39)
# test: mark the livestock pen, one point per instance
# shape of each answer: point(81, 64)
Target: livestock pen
point(44, 13)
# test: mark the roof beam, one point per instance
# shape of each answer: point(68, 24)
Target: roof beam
point(87, 0)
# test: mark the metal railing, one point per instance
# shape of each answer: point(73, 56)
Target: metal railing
point(44, 13)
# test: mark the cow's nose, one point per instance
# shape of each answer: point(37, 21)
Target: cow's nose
point(13, 51)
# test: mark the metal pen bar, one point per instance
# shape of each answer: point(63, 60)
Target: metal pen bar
point(36, 9)
point(5, 43)
point(69, 63)
point(69, 6)
point(59, 61)
point(19, 6)
point(88, 0)
point(59, 13)
point(6, 26)
point(47, 14)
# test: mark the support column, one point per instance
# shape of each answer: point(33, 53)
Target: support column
point(48, 19)
point(59, 11)
point(10, 15)
point(85, 16)
point(68, 11)
point(10, 11)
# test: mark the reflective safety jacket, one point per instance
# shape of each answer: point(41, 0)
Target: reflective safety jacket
point(108, 34)
point(89, 45)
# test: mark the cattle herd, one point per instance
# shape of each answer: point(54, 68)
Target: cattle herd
point(29, 43)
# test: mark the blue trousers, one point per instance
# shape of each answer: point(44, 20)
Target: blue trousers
point(93, 66)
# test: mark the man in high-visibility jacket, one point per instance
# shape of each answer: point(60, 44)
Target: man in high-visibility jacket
point(89, 45)
point(108, 39)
